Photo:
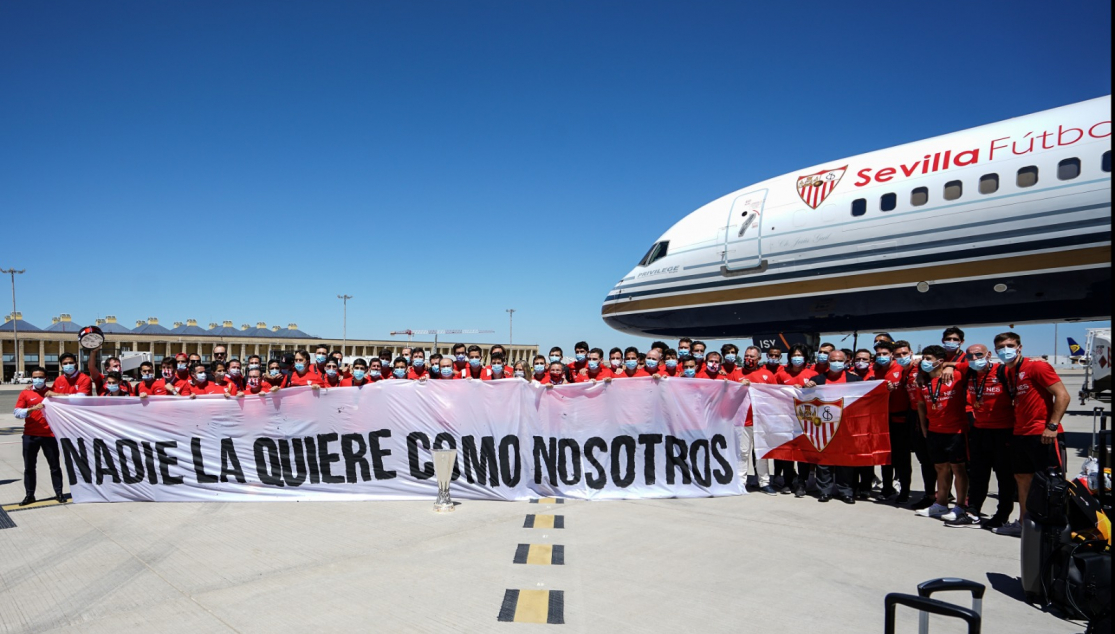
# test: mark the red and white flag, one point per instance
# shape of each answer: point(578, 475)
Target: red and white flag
point(844, 424)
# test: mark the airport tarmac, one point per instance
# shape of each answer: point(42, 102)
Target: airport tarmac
point(754, 562)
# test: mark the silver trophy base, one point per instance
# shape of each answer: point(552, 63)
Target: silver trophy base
point(443, 508)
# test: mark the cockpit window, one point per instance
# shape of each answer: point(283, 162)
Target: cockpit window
point(657, 252)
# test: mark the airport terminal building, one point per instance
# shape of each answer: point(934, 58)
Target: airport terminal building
point(42, 346)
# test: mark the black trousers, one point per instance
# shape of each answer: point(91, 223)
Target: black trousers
point(31, 447)
point(801, 477)
point(785, 470)
point(836, 481)
point(900, 464)
point(862, 479)
point(989, 450)
point(921, 450)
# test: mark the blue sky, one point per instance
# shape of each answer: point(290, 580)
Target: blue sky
point(445, 161)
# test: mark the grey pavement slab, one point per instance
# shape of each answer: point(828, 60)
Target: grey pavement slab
point(697, 565)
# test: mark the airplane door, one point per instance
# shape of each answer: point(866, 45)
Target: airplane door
point(742, 244)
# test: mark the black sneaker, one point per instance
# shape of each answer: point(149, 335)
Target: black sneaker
point(786, 491)
point(993, 523)
point(30, 499)
point(61, 499)
point(902, 498)
point(769, 490)
point(799, 492)
point(888, 492)
point(964, 521)
point(824, 497)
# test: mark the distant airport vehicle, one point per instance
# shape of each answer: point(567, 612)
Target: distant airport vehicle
point(1097, 366)
point(1004, 223)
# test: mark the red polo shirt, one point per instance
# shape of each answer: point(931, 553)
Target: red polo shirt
point(157, 388)
point(79, 383)
point(210, 387)
point(35, 424)
point(1030, 381)
point(990, 402)
point(945, 402)
point(786, 376)
point(622, 374)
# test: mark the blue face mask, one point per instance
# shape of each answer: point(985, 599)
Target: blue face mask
point(837, 366)
point(950, 345)
point(554, 358)
point(375, 374)
point(539, 368)
point(274, 372)
point(1006, 355)
point(689, 372)
point(904, 361)
point(300, 367)
point(671, 364)
point(519, 374)
point(798, 361)
point(822, 357)
point(979, 364)
point(200, 378)
point(729, 358)
point(462, 357)
point(594, 365)
point(927, 365)
point(400, 373)
point(684, 352)
point(69, 368)
point(446, 372)
point(148, 377)
point(497, 368)
point(580, 357)
point(474, 363)
point(320, 358)
point(419, 362)
point(330, 372)
point(112, 387)
point(631, 364)
point(652, 364)
point(881, 360)
point(358, 375)
point(38, 383)
point(698, 355)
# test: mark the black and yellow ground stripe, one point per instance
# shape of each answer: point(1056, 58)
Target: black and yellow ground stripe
point(533, 606)
point(548, 501)
point(540, 554)
point(544, 521)
point(34, 505)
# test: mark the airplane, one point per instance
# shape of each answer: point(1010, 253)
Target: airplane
point(1075, 349)
point(1008, 222)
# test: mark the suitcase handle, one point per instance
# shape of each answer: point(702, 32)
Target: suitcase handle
point(928, 606)
point(927, 589)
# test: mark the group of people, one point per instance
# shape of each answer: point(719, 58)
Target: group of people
point(962, 414)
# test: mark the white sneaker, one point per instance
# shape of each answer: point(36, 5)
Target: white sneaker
point(953, 514)
point(1013, 529)
point(935, 511)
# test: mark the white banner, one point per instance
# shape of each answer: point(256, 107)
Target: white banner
point(634, 438)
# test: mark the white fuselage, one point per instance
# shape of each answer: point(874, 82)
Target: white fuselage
point(1006, 222)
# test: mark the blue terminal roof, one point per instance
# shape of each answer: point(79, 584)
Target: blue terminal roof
point(22, 326)
point(64, 326)
point(293, 334)
point(151, 329)
point(226, 331)
point(115, 329)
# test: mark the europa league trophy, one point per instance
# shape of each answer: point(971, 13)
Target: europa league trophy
point(444, 460)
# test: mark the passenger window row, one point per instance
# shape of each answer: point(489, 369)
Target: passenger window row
point(1067, 170)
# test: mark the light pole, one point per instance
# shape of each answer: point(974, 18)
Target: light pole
point(15, 322)
point(510, 326)
point(344, 331)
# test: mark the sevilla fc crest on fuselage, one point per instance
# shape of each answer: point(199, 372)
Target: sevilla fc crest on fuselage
point(819, 420)
point(815, 188)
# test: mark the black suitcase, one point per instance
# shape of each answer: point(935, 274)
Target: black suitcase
point(1039, 544)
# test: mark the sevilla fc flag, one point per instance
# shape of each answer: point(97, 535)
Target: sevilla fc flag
point(843, 424)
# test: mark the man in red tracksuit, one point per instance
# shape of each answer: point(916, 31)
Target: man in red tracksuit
point(37, 435)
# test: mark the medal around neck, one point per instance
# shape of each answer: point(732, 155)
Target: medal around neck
point(90, 337)
point(444, 461)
